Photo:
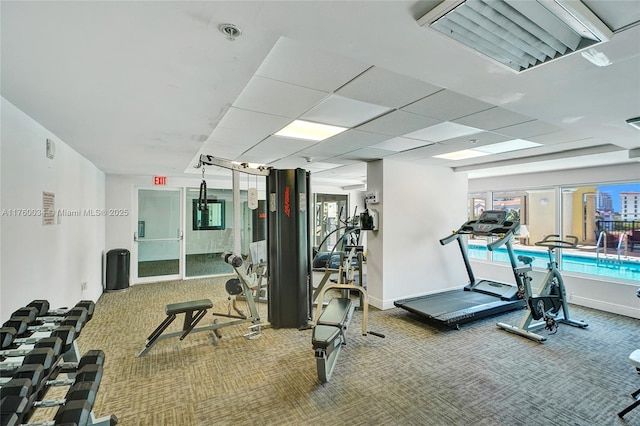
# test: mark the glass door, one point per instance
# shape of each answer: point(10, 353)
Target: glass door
point(159, 235)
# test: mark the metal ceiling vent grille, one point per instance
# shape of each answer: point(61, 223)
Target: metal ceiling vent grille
point(516, 33)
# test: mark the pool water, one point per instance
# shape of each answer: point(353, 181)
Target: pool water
point(625, 270)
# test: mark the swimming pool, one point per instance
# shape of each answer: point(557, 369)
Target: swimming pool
point(625, 270)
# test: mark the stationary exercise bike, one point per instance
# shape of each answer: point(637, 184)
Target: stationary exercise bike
point(549, 306)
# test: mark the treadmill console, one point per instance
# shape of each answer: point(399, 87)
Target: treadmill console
point(490, 222)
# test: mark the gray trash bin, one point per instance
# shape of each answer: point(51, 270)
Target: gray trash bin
point(117, 274)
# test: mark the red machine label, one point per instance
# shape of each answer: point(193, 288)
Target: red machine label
point(287, 201)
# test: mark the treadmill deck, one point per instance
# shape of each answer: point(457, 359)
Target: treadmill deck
point(457, 306)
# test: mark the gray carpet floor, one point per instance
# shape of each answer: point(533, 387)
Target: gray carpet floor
point(417, 375)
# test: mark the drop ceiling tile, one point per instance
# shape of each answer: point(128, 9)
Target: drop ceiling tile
point(382, 87)
point(558, 138)
point(318, 166)
point(354, 139)
point(293, 62)
point(225, 143)
point(367, 154)
point(446, 105)
point(324, 150)
point(236, 118)
point(492, 119)
point(398, 123)
point(401, 144)
point(481, 139)
point(443, 131)
point(247, 127)
point(277, 98)
point(274, 148)
point(349, 168)
point(345, 112)
point(297, 161)
point(528, 129)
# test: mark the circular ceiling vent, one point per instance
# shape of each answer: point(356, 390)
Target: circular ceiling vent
point(230, 31)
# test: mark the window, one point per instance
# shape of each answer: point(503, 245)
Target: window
point(211, 218)
point(603, 217)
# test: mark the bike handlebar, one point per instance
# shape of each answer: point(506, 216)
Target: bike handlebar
point(555, 241)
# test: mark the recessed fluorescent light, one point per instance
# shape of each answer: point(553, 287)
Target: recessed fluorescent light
point(308, 130)
point(507, 146)
point(462, 155)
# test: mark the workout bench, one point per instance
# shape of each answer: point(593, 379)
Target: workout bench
point(331, 323)
point(200, 308)
point(195, 310)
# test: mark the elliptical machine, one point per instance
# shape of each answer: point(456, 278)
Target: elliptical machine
point(549, 306)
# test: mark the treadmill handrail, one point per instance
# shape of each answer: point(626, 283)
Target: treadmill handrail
point(500, 242)
point(446, 240)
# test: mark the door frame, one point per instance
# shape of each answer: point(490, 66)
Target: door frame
point(134, 253)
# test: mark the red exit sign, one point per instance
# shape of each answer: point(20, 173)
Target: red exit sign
point(159, 180)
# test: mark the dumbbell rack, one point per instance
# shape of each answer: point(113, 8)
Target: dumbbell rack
point(38, 345)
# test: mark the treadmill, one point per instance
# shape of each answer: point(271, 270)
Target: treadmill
point(480, 298)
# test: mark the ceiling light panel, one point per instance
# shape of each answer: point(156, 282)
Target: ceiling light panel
point(508, 146)
point(461, 155)
point(518, 34)
point(341, 111)
point(307, 130)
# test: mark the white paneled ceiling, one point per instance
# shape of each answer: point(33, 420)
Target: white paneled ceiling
point(146, 87)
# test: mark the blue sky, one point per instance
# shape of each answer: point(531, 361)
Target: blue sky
point(615, 191)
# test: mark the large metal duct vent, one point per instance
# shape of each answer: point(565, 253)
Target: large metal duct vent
point(516, 33)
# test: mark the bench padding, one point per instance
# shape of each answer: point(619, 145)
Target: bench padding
point(195, 305)
point(336, 312)
point(331, 322)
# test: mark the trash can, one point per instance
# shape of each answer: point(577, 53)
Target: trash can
point(117, 274)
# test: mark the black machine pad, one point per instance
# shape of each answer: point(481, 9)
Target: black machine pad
point(195, 305)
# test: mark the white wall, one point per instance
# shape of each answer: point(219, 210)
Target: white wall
point(416, 210)
point(607, 295)
point(47, 261)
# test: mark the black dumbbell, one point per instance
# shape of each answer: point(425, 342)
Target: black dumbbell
point(43, 308)
point(11, 409)
point(92, 357)
point(39, 356)
point(76, 405)
point(23, 330)
point(27, 323)
point(66, 333)
point(89, 368)
point(54, 342)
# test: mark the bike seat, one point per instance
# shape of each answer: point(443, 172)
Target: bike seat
point(525, 259)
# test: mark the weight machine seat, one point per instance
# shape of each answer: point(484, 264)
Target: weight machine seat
point(195, 305)
point(634, 359)
point(331, 321)
point(323, 335)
